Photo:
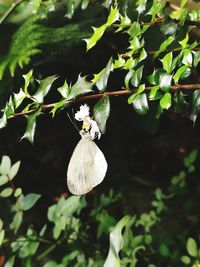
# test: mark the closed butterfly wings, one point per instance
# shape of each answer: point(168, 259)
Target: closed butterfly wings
point(87, 166)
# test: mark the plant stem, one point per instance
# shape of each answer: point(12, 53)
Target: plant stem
point(187, 87)
point(46, 251)
point(10, 9)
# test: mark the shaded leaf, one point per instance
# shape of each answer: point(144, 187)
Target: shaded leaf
point(116, 243)
point(164, 45)
point(153, 92)
point(182, 72)
point(17, 220)
point(101, 79)
point(195, 105)
point(31, 125)
point(101, 112)
point(82, 86)
point(14, 170)
point(137, 76)
point(28, 201)
point(2, 234)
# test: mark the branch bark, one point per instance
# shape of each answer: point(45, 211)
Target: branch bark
point(186, 87)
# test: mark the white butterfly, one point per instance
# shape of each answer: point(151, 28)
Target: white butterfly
point(87, 167)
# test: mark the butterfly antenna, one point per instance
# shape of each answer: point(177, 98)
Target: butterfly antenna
point(73, 122)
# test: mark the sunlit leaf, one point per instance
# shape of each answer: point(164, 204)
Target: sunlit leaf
point(64, 90)
point(167, 62)
point(44, 87)
point(5, 165)
point(140, 104)
point(165, 81)
point(137, 76)
point(166, 101)
point(192, 247)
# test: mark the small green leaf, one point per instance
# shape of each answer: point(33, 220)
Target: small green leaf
point(127, 78)
point(195, 105)
point(10, 262)
point(135, 29)
point(2, 234)
point(184, 42)
point(6, 192)
point(165, 101)
point(17, 192)
point(179, 73)
point(44, 87)
point(3, 179)
point(164, 250)
point(82, 86)
point(31, 125)
point(140, 104)
point(101, 79)
point(59, 105)
point(5, 165)
point(101, 112)
point(116, 243)
point(153, 92)
point(186, 260)
point(3, 121)
point(187, 58)
point(17, 220)
point(27, 78)
point(64, 90)
point(167, 62)
point(164, 45)
point(165, 81)
point(28, 201)
point(98, 32)
point(196, 60)
point(192, 247)
point(14, 170)
point(143, 55)
point(137, 76)
point(18, 98)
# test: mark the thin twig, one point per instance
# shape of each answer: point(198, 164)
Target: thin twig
point(10, 9)
point(108, 93)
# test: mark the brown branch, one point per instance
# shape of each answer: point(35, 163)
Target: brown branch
point(187, 87)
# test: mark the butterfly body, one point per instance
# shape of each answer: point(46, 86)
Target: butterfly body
point(87, 166)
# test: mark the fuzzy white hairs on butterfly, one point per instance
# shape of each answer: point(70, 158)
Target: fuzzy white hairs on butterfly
point(87, 167)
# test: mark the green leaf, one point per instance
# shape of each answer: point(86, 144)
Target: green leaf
point(116, 243)
point(137, 76)
point(164, 45)
point(164, 250)
point(10, 262)
point(82, 86)
point(187, 58)
point(166, 101)
point(5, 165)
point(59, 105)
point(18, 98)
point(64, 90)
point(196, 59)
point(17, 192)
point(153, 92)
point(14, 170)
point(27, 78)
point(154, 78)
point(186, 260)
point(135, 29)
point(167, 62)
point(180, 73)
point(31, 125)
point(28, 201)
point(3, 179)
point(2, 234)
point(3, 121)
point(140, 104)
point(165, 82)
point(195, 105)
point(192, 247)
point(184, 42)
point(17, 220)
point(128, 77)
point(101, 79)
point(101, 112)
point(44, 87)
point(98, 32)
point(6, 192)
point(155, 9)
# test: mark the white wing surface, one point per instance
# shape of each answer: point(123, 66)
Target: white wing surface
point(87, 167)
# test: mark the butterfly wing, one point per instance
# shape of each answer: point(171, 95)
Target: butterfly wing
point(87, 167)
